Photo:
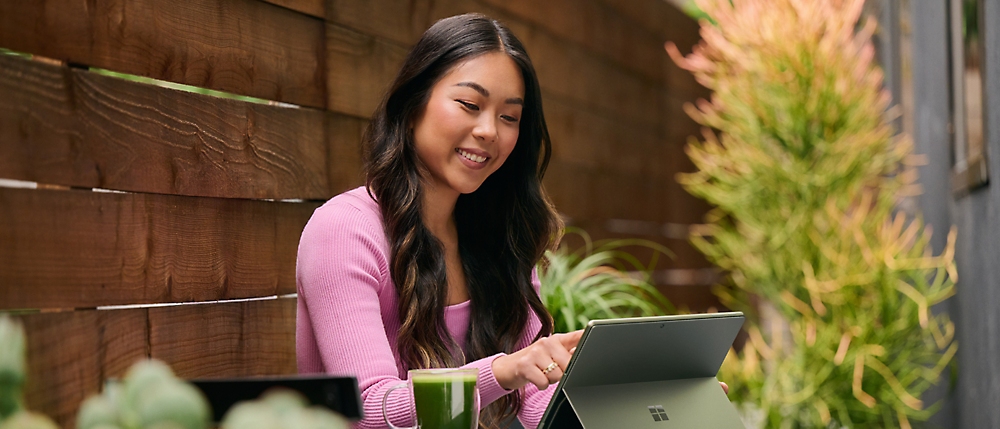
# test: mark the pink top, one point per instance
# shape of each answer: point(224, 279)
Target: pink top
point(347, 319)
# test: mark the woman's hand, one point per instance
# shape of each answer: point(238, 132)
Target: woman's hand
point(725, 387)
point(542, 363)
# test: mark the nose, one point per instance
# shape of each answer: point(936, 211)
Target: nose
point(486, 128)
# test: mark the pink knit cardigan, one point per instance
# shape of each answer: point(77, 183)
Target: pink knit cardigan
point(347, 320)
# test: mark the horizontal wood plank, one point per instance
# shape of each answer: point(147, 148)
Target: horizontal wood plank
point(658, 17)
point(77, 249)
point(404, 21)
point(77, 128)
point(315, 8)
point(588, 138)
point(71, 354)
point(401, 21)
point(238, 339)
point(361, 68)
point(246, 47)
point(345, 165)
point(366, 43)
point(608, 34)
point(574, 73)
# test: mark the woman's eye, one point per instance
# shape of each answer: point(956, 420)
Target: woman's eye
point(468, 105)
point(508, 118)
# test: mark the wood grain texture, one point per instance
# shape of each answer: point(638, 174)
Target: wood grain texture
point(657, 17)
point(344, 134)
point(76, 249)
point(76, 128)
point(315, 8)
point(608, 34)
point(367, 43)
point(575, 73)
point(404, 21)
point(226, 339)
point(245, 47)
point(585, 137)
point(360, 69)
point(71, 354)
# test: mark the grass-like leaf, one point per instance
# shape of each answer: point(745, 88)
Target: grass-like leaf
point(600, 281)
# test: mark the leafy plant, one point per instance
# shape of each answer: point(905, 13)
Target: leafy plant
point(806, 175)
point(599, 281)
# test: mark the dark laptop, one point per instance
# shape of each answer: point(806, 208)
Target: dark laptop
point(339, 394)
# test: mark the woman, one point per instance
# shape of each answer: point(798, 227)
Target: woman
point(432, 263)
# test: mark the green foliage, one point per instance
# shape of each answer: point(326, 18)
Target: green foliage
point(28, 420)
point(599, 281)
point(150, 397)
point(12, 377)
point(284, 409)
point(805, 176)
point(12, 366)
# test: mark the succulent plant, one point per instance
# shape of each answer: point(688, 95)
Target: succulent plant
point(281, 408)
point(28, 420)
point(150, 397)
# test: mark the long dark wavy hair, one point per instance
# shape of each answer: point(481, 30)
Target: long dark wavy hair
point(504, 227)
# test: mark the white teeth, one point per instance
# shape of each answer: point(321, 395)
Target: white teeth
point(471, 157)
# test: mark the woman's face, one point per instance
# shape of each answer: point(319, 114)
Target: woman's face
point(470, 123)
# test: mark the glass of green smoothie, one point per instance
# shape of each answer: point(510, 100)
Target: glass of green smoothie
point(445, 398)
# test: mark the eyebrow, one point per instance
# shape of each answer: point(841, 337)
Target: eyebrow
point(485, 93)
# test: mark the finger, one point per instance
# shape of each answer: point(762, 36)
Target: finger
point(725, 387)
point(569, 340)
point(537, 378)
point(552, 370)
point(555, 375)
point(557, 353)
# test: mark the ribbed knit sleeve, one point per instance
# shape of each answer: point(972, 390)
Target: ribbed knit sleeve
point(341, 273)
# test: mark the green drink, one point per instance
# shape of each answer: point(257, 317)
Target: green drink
point(443, 398)
point(446, 402)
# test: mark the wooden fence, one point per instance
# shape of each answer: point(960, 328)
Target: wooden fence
point(122, 200)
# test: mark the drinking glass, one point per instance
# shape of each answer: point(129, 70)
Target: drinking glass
point(445, 398)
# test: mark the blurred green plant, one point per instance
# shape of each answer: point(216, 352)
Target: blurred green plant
point(806, 175)
point(150, 396)
point(600, 280)
point(282, 408)
point(13, 368)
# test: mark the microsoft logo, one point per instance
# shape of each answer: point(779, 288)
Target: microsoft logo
point(659, 414)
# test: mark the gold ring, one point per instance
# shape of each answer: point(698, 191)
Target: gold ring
point(551, 367)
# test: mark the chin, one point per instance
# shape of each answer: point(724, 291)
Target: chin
point(468, 190)
point(467, 187)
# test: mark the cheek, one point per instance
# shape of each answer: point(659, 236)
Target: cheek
point(507, 145)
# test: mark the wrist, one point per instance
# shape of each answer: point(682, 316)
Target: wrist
point(502, 373)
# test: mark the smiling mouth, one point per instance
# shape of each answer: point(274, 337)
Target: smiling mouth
point(472, 157)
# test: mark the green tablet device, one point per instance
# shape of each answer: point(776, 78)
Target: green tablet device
point(647, 372)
